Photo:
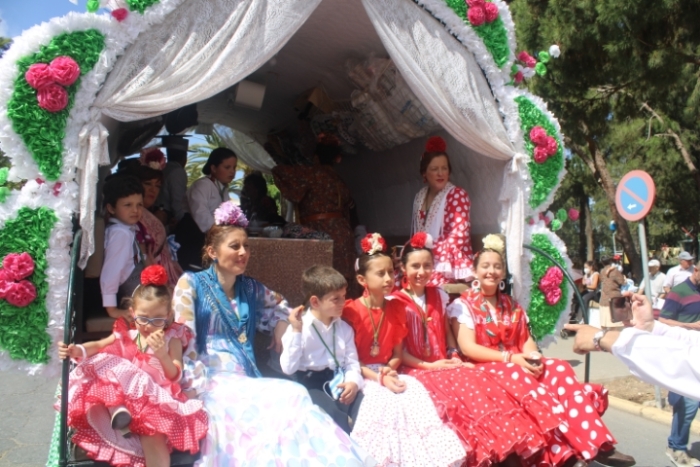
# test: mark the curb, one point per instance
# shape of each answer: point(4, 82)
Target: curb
point(651, 413)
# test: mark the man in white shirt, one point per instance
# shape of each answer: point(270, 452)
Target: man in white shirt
point(319, 347)
point(678, 274)
point(656, 280)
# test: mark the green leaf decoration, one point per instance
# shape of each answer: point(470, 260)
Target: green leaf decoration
point(562, 215)
point(23, 330)
point(93, 6)
point(556, 225)
point(541, 69)
point(4, 193)
point(140, 5)
point(544, 317)
point(43, 131)
point(3, 175)
point(545, 176)
point(543, 57)
point(494, 35)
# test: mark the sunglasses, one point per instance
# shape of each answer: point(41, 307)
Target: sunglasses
point(155, 322)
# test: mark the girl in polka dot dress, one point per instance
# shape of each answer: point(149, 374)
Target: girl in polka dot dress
point(397, 422)
point(493, 329)
point(441, 209)
point(125, 403)
point(496, 427)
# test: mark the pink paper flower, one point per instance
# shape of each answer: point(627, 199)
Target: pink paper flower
point(52, 97)
point(21, 294)
point(538, 135)
point(65, 70)
point(540, 155)
point(519, 77)
point(39, 75)
point(573, 214)
point(120, 14)
point(527, 59)
point(473, 3)
point(476, 15)
point(550, 285)
point(550, 146)
point(18, 266)
point(491, 12)
point(531, 221)
point(5, 284)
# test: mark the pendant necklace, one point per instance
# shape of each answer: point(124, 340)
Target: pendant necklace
point(424, 321)
point(374, 350)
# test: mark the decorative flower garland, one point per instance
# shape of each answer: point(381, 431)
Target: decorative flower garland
point(484, 17)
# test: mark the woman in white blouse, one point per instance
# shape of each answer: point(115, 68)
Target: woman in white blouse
point(203, 197)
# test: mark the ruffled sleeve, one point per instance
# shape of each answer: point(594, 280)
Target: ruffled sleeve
point(292, 181)
point(194, 371)
point(453, 250)
point(274, 309)
point(459, 310)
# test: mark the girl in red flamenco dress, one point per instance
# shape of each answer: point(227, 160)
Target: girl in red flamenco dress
point(124, 400)
point(492, 329)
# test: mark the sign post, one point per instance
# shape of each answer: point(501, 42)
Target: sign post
point(634, 199)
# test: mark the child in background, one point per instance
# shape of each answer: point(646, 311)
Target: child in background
point(130, 379)
point(318, 346)
point(123, 260)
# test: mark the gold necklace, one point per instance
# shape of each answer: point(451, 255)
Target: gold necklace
point(374, 350)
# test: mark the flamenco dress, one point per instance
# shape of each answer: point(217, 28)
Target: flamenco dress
point(253, 421)
point(581, 433)
point(122, 375)
point(401, 429)
point(490, 423)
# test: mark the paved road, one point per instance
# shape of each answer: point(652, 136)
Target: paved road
point(26, 416)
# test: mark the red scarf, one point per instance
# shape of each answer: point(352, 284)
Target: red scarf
point(509, 333)
point(416, 341)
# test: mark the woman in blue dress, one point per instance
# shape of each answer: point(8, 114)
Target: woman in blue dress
point(253, 421)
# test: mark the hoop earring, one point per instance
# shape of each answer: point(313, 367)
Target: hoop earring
point(502, 286)
point(476, 285)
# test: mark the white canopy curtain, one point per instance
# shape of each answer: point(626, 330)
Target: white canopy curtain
point(448, 81)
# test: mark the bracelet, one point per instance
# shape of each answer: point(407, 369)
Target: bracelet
point(452, 350)
point(82, 349)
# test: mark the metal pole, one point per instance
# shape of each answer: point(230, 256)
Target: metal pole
point(614, 246)
point(584, 309)
point(647, 291)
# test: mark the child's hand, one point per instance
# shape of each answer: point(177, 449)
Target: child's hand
point(394, 384)
point(156, 341)
point(295, 318)
point(67, 350)
point(349, 392)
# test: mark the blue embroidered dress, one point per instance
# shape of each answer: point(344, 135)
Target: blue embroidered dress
point(253, 421)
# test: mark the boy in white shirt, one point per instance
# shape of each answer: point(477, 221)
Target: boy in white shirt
point(318, 345)
point(123, 260)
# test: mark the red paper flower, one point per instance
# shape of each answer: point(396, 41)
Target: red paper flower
point(550, 285)
point(540, 155)
point(545, 145)
point(120, 14)
point(527, 59)
point(373, 243)
point(573, 214)
point(435, 144)
point(17, 266)
point(65, 70)
point(154, 275)
point(550, 146)
point(20, 294)
point(473, 3)
point(39, 75)
point(4, 283)
point(519, 77)
point(421, 240)
point(52, 97)
point(491, 12)
point(476, 15)
point(538, 135)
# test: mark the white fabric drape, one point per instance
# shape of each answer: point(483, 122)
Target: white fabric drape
point(448, 81)
point(249, 151)
point(202, 48)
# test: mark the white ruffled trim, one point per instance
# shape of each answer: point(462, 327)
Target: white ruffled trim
point(34, 195)
point(523, 296)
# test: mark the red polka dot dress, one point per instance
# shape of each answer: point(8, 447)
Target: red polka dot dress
point(447, 221)
point(121, 375)
point(581, 432)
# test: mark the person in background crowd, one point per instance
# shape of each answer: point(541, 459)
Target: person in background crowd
point(255, 201)
point(172, 198)
point(611, 282)
point(678, 274)
point(656, 280)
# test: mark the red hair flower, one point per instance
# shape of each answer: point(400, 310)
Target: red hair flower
point(154, 275)
point(435, 144)
point(153, 158)
point(421, 240)
point(373, 243)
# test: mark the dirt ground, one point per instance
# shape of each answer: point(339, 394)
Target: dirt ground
point(632, 389)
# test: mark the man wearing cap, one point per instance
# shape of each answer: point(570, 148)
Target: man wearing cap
point(656, 280)
point(682, 309)
point(173, 193)
point(680, 273)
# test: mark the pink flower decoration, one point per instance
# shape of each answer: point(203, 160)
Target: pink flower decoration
point(527, 59)
point(550, 285)
point(519, 77)
point(21, 294)
point(550, 146)
point(573, 214)
point(39, 75)
point(473, 3)
point(531, 221)
point(65, 70)
point(57, 188)
point(491, 11)
point(5, 284)
point(538, 135)
point(120, 14)
point(476, 15)
point(17, 266)
point(52, 97)
point(540, 155)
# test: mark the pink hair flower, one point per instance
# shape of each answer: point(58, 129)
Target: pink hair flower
point(229, 213)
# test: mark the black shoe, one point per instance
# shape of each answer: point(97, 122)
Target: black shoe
point(121, 419)
point(573, 462)
point(614, 458)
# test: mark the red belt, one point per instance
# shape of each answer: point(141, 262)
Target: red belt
point(322, 216)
